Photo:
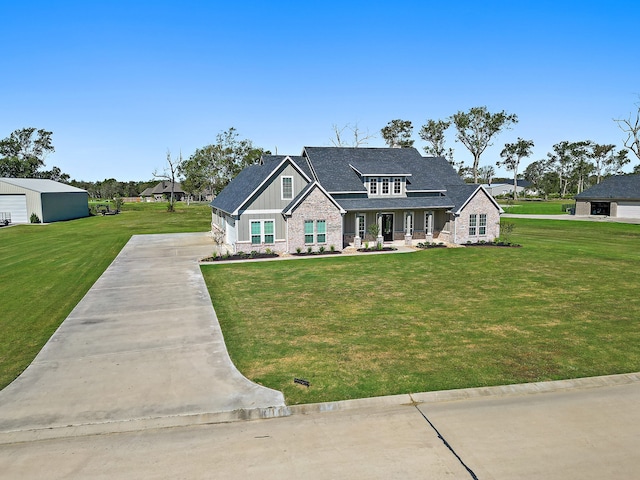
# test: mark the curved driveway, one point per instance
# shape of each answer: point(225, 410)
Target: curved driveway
point(144, 344)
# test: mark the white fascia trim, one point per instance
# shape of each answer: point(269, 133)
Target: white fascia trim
point(342, 192)
point(493, 200)
point(291, 207)
point(285, 159)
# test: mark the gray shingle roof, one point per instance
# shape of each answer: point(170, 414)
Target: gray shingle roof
point(397, 203)
point(623, 187)
point(335, 167)
point(250, 178)
point(459, 194)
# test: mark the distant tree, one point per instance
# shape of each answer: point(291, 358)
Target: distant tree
point(571, 161)
point(397, 133)
point(355, 138)
point(600, 154)
point(636, 169)
point(214, 166)
point(169, 173)
point(513, 153)
point(486, 173)
point(23, 152)
point(616, 162)
point(54, 174)
point(432, 132)
point(631, 127)
point(477, 127)
point(543, 177)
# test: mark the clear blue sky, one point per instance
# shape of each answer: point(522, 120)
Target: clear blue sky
point(120, 82)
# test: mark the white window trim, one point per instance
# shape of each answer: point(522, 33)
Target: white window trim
point(394, 185)
point(374, 181)
point(315, 232)
point(282, 197)
point(389, 186)
point(262, 234)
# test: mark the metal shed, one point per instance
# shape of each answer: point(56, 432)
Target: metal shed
point(50, 201)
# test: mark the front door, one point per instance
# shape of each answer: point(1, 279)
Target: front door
point(387, 227)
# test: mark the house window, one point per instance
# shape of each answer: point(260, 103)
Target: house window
point(308, 231)
point(397, 186)
point(473, 224)
point(287, 188)
point(482, 229)
point(256, 237)
point(360, 226)
point(268, 232)
point(373, 186)
point(385, 186)
point(262, 231)
point(321, 230)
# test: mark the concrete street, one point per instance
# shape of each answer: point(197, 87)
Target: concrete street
point(137, 384)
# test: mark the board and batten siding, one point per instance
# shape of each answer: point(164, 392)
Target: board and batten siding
point(270, 196)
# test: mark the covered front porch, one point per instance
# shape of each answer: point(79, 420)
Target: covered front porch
point(399, 227)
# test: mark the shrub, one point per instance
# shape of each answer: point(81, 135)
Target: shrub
point(332, 248)
point(34, 218)
point(309, 249)
point(321, 249)
point(366, 245)
point(298, 250)
point(268, 251)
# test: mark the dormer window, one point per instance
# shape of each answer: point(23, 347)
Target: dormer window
point(385, 186)
point(287, 188)
point(397, 186)
point(373, 186)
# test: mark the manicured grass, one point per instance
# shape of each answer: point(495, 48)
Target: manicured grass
point(537, 207)
point(45, 270)
point(565, 305)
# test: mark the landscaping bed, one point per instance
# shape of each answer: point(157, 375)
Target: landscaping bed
point(493, 244)
point(239, 256)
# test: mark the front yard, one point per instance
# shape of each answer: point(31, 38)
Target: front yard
point(563, 306)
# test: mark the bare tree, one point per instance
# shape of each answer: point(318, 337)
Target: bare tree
point(632, 128)
point(169, 174)
point(486, 173)
point(358, 137)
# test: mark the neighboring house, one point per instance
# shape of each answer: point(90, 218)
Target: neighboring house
point(50, 201)
point(162, 191)
point(506, 187)
point(616, 196)
point(330, 196)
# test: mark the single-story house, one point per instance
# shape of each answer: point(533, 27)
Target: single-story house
point(162, 191)
point(616, 196)
point(331, 196)
point(50, 201)
point(506, 187)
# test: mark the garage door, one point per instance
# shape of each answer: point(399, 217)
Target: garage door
point(16, 205)
point(629, 209)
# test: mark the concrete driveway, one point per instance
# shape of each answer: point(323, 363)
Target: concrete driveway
point(144, 344)
point(137, 384)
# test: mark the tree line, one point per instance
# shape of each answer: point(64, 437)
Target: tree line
point(569, 168)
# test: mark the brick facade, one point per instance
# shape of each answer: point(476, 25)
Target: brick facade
point(316, 206)
point(479, 204)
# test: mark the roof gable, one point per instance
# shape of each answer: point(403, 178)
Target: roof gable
point(304, 193)
point(250, 180)
point(463, 194)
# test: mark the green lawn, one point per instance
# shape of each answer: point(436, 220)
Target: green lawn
point(537, 207)
point(565, 305)
point(46, 269)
